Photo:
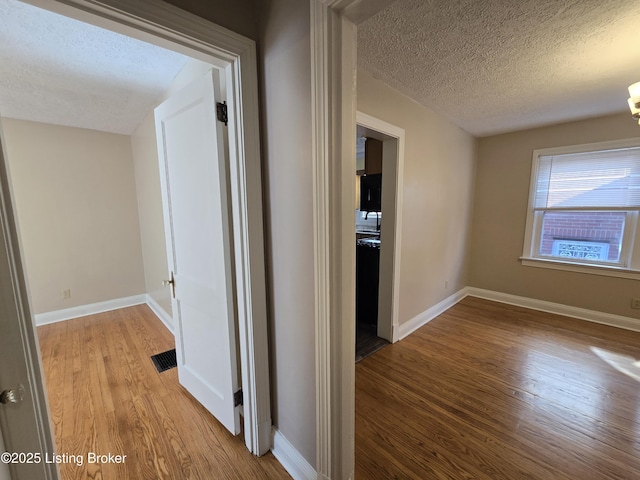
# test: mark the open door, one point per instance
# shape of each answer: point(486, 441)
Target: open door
point(24, 418)
point(193, 171)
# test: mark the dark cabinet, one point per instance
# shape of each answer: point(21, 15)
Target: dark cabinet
point(367, 280)
point(372, 156)
point(371, 193)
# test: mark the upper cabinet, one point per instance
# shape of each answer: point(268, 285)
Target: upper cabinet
point(368, 156)
point(360, 141)
point(372, 156)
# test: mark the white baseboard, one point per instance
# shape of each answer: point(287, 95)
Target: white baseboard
point(91, 309)
point(290, 458)
point(425, 317)
point(160, 312)
point(610, 319)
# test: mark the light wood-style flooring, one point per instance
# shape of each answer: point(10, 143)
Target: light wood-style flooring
point(485, 391)
point(106, 396)
point(491, 391)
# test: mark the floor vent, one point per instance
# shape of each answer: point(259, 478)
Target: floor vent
point(165, 360)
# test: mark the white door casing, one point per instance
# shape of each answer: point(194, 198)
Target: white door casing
point(4, 467)
point(24, 425)
point(333, 88)
point(194, 177)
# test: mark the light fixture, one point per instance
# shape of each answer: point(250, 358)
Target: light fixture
point(634, 100)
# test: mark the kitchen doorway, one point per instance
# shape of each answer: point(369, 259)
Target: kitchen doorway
point(378, 224)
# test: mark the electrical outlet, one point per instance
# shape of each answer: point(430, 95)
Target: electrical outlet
point(446, 284)
point(66, 294)
point(635, 303)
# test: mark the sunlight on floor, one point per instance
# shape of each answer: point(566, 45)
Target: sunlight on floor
point(623, 363)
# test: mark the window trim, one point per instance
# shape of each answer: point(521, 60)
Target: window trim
point(629, 265)
point(591, 269)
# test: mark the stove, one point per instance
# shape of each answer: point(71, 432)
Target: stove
point(369, 242)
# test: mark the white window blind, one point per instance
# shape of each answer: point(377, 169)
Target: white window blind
point(606, 179)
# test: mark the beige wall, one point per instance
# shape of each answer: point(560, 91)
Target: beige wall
point(149, 198)
point(438, 185)
point(501, 196)
point(286, 139)
point(77, 213)
point(236, 15)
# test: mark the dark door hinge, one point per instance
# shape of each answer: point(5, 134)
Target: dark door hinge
point(221, 111)
point(237, 398)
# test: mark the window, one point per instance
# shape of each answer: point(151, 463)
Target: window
point(583, 207)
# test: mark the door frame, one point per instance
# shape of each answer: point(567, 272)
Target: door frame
point(392, 156)
point(26, 325)
point(169, 27)
point(333, 156)
point(333, 90)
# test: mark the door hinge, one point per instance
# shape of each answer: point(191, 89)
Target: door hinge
point(237, 398)
point(221, 111)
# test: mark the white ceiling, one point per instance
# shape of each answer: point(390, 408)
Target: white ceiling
point(490, 66)
point(493, 66)
point(57, 70)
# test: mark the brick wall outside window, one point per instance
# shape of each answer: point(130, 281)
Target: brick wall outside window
point(605, 227)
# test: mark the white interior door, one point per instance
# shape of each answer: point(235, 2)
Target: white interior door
point(24, 422)
point(197, 223)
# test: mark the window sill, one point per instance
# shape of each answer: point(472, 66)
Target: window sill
point(606, 270)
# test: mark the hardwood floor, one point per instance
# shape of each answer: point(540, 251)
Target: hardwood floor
point(106, 397)
point(485, 391)
point(491, 391)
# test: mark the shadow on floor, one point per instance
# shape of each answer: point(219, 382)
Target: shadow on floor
point(367, 342)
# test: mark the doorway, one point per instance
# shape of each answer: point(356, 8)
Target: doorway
point(235, 57)
point(378, 248)
point(368, 218)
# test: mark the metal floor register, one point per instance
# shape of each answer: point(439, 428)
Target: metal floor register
point(165, 360)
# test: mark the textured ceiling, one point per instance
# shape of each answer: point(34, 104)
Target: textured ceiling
point(494, 66)
point(57, 70)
